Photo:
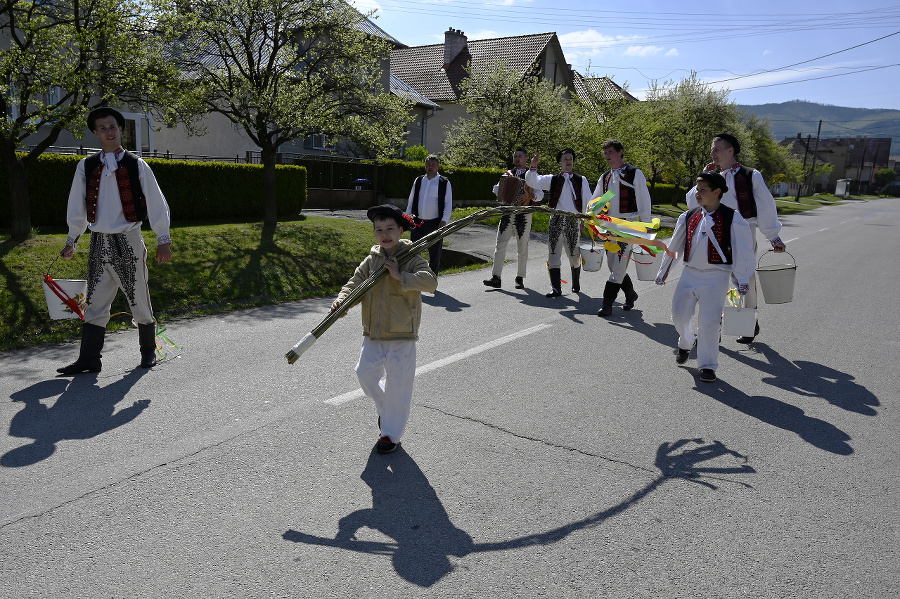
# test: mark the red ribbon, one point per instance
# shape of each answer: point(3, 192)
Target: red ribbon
point(70, 302)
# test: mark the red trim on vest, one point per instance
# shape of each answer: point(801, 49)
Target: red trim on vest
point(627, 199)
point(123, 182)
point(718, 229)
point(556, 186)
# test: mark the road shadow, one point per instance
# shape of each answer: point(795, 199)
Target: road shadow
point(83, 410)
point(663, 333)
point(440, 299)
point(406, 508)
point(571, 305)
point(809, 379)
point(814, 431)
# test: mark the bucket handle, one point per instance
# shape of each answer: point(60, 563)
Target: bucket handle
point(785, 252)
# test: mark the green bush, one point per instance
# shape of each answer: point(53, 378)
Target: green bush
point(194, 190)
point(469, 184)
point(667, 194)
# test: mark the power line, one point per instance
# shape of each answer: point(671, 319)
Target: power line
point(814, 78)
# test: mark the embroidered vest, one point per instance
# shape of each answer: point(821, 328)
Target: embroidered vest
point(743, 190)
point(128, 180)
point(722, 218)
point(627, 197)
point(442, 195)
point(556, 187)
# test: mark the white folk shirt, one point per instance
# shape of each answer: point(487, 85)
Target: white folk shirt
point(566, 196)
point(766, 218)
point(641, 194)
point(742, 256)
point(428, 200)
point(110, 217)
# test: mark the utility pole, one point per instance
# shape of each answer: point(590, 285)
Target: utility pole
point(812, 174)
point(862, 161)
point(805, 154)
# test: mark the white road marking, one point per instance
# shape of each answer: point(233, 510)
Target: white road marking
point(344, 398)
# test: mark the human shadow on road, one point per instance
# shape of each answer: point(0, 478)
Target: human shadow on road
point(441, 300)
point(575, 302)
point(809, 379)
point(814, 431)
point(406, 508)
point(83, 410)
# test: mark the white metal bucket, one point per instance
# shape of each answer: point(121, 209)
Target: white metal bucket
point(646, 265)
point(777, 281)
point(592, 257)
point(740, 322)
point(74, 289)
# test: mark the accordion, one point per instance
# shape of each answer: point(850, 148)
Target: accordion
point(512, 191)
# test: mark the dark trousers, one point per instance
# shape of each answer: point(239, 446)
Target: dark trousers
point(434, 252)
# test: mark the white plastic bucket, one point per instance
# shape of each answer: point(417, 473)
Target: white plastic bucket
point(646, 265)
point(74, 289)
point(777, 281)
point(592, 257)
point(740, 322)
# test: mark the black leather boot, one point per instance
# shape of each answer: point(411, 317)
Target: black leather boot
point(609, 296)
point(89, 354)
point(555, 283)
point(630, 294)
point(576, 280)
point(494, 281)
point(147, 341)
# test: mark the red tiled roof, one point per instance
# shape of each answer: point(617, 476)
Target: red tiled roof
point(422, 66)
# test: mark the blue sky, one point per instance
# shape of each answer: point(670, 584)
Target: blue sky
point(755, 49)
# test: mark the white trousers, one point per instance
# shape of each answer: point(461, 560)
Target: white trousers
point(618, 263)
point(117, 261)
point(708, 287)
point(512, 225)
point(751, 299)
point(386, 372)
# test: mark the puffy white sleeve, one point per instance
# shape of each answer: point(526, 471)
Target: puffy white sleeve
point(742, 254)
point(676, 244)
point(157, 207)
point(642, 195)
point(76, 210)
point(766, 210)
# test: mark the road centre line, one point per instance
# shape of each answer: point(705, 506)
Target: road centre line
point(358, 393)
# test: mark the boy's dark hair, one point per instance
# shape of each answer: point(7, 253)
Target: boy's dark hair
point(613, 143)
point(104, 111)
point(389, 212)
point(730, 139)
point(559, 154)
point(714, 180)
point(521, 149)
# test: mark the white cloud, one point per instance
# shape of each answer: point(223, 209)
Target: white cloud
point(643, 51)
point(581, 46)
point(672, 52)
point(482, 35)
point(766, 52)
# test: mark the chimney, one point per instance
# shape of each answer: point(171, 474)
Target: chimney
point(454, 43)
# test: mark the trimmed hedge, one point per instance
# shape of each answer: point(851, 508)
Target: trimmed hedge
point(668, 194)
point(470, 184)
point(194, 190)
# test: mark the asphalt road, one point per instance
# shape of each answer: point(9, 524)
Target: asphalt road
point(550, 453)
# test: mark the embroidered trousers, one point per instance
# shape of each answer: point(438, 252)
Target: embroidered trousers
point(565, 236)
point(117, 261)
point(520, 224)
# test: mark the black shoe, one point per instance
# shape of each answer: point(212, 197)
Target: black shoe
point(520, 283)
point(494, 282)
point(606, 310)
point(746, 340)
point(684, 354)
point(707, 375)
point(80, 365)
point(385, 445)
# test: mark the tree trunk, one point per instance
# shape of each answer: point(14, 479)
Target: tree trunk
point(18, 196)
point(270, 204)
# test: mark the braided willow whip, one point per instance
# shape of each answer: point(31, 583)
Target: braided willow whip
point(404, 254)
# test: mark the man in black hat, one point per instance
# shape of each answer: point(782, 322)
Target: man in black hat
point(113, 192)
point(391, 312)
point(748, 194)
point(571, 192)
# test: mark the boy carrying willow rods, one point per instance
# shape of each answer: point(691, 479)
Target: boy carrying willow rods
point(391, 312)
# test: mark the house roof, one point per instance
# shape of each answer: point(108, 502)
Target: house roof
point(422, 67)
point(399, 88)
point(590, 89)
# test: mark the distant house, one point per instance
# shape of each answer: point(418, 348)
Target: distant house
point(436, 71)
point(602, 89)
point(856, 158)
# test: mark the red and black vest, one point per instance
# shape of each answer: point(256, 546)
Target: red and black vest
point(743, 189)
point(128, 179)
point(627, 197)
point(557, 182)
point(722, 218)
point(442, 195)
